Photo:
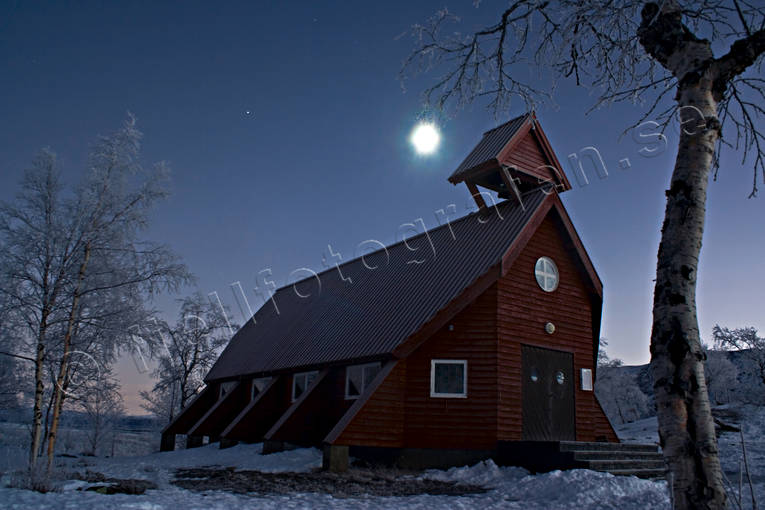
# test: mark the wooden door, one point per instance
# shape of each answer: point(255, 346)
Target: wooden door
point(548, 395)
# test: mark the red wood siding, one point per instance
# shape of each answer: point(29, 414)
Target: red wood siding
point(194, 411)
point(264, 412)
point(381, 421)
point(527, 155)
point(401, 413)
point(318, 412)
point(224, 411)
point(456, 422)
point(522, 312)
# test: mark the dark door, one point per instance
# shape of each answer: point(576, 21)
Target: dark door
point(548, 394)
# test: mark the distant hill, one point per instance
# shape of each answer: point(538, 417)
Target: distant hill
point(622, 405)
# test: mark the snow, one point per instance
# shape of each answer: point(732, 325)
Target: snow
point(751, 419)
point(510, 488)
point(574, 489)
point(641, 431)
point(243, 457)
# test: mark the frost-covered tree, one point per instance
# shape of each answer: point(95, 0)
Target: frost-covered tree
point(162, 401)
point(745, 340)
point(620, 395)
point(13, 367)
point(101, 402)
point(74, 268)
point(721, 375)
point(698, 61)
point(11, 371)
point(618, 391)
point(191, 346)
point(603, 358)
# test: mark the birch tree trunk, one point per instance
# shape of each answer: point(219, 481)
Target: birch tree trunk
point(64, 363)
point(686, 430)
point(39, 391)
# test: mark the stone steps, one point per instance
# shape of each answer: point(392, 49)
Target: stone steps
point(642, 460)
point(570, 446)
point(609, 455)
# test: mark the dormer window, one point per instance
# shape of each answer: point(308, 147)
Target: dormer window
point(225, 388)
point(358, 378)
point(301, 382)
point(258, 385)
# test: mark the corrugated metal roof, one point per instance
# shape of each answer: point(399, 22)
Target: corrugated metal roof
point(490, 146)
point(382, 307)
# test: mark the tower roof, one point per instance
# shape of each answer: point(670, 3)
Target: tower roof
point(519, 144)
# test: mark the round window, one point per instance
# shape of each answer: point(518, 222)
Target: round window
point(534, 375)
point(559, 377)
point(547, 274)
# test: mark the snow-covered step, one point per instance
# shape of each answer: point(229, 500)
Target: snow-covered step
point(571, 446)
point(616, 455)
point(625, 464)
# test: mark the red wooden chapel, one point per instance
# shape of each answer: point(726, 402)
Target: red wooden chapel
point(476, 339)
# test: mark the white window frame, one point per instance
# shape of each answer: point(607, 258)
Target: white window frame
point(546, 274)
point(363, 368)
point(294, 382)
point(253, 383)
point(225, 388)
point(433, 364)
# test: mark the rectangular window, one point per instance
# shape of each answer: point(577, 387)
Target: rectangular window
point(258, 385)
point(301, 382)
point(448, 378)
point(358, 378)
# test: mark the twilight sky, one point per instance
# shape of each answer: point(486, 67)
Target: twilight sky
point(287, 130)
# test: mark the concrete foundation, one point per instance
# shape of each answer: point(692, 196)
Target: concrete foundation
point(335, 458)
point(194, 441)
point(167, 443)
point(270, 446)
point(227, 443)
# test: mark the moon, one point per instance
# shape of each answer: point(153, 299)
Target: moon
point(425, 138)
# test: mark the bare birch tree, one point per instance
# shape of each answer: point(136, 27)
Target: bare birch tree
point(192, 345)
point(101, 402)
point(743, 339)
point(73, 262)
point(662, 55)
point(721, 376)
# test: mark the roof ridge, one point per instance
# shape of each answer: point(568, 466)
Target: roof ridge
point(527, 114)
point(408, 239)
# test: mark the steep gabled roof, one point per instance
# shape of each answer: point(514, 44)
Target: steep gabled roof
point(391, 294)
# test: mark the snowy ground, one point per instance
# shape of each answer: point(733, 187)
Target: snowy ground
point(751, 420)
point(510, 488)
